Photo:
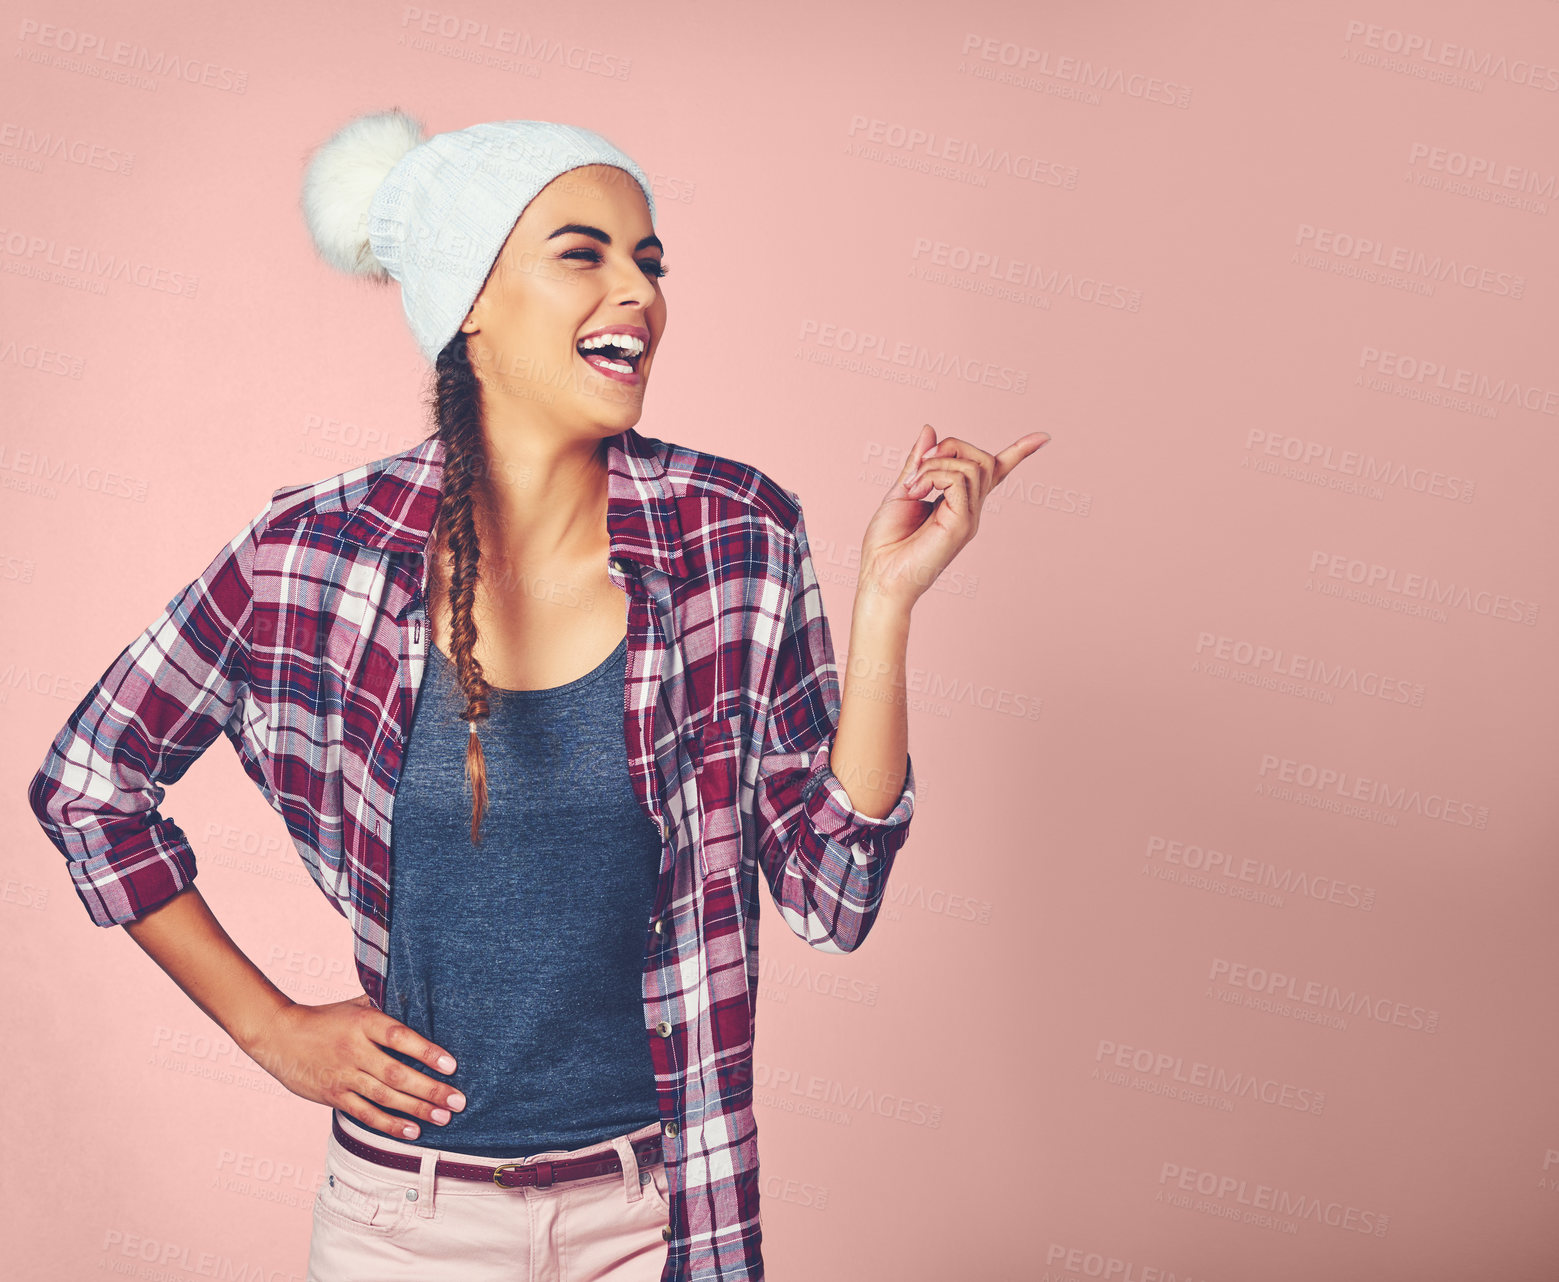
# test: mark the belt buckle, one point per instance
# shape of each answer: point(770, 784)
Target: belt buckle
point(543, 1173)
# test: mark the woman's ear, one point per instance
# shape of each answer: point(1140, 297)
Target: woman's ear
point(472, 323)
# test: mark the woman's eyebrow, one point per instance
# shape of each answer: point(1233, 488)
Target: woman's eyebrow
point(584, 229)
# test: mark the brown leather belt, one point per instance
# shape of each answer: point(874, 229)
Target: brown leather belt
point(507, 1175)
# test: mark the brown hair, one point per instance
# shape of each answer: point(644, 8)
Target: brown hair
point(457, 410)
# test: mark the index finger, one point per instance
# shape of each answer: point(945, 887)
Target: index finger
point(1019, 450)
point(408, 1041)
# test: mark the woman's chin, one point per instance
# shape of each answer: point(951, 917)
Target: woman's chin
point(611, 401)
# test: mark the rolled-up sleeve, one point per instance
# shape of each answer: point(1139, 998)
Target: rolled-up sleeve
point(826, 863)
point(159, 705)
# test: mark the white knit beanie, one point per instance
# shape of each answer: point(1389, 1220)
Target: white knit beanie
point(383, 201)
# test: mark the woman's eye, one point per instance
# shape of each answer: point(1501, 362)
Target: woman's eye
point(649, 266)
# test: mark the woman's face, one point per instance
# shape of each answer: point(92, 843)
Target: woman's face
point(581, 261)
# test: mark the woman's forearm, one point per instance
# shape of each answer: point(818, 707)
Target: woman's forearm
point(186, 940)
point(870, 755)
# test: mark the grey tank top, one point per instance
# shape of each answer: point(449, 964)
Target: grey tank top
point(524, 956)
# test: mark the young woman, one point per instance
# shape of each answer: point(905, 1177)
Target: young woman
point(558, 693)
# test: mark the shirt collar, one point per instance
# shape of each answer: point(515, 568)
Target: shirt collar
point(396, 514)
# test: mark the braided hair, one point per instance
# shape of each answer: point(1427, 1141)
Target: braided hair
point(457, 410)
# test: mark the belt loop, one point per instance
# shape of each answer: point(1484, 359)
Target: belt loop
point(630, 1160)
point(425, 1183)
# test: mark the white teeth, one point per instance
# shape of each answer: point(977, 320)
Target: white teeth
point(627, 342)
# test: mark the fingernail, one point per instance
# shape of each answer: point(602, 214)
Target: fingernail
point(457, 1100)
point(410, 1132)
point(441, 1116)
point(445, 1064)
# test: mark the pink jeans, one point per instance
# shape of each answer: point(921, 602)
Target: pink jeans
point(373, 1223)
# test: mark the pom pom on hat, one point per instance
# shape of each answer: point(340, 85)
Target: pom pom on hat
point(339, 185)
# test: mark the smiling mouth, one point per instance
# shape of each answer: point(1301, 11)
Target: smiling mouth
point(615, 353)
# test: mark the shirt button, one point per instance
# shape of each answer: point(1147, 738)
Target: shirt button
point(660, 925)
point(619, 565)
point(665, 1234)
point(663, 1028)
point(672, 1128)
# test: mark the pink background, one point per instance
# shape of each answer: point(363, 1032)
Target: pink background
point(1224, 945)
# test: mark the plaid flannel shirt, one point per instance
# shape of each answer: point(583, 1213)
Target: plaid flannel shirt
point(304, 642)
